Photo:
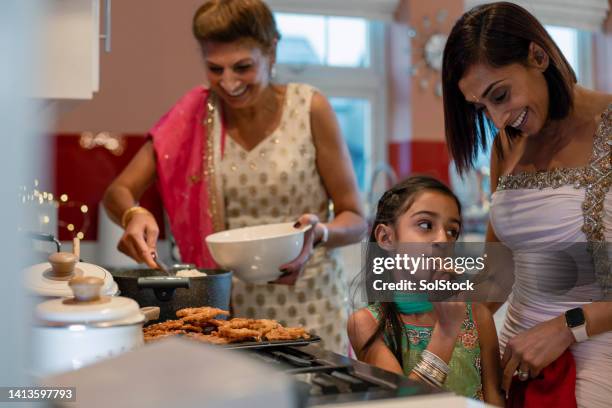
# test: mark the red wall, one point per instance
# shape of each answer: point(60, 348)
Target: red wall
point(84, 174)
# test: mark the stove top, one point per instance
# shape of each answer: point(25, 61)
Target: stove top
point(323, 377)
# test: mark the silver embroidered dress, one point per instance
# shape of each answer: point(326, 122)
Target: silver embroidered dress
point(535, 214)
point(277, 181)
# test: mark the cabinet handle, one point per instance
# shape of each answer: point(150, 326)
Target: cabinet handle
point(107, 26)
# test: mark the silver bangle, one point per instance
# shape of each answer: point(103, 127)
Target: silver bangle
point(429, 374)
point(435, 361)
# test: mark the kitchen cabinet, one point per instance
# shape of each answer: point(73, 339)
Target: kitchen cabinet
point(69, 48)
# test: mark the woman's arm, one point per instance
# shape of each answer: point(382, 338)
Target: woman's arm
point(535, 348)
point(336, 170)
point(140, 237)
point(489, 353)
point(361, 326)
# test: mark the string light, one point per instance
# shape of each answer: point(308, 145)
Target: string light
point(34, 196)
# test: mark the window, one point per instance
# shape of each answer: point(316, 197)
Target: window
point(576, 47)
point(344, 58)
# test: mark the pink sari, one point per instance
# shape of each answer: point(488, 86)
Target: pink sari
point(188, 143)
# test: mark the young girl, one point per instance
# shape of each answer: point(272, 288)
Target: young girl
point(448, 344)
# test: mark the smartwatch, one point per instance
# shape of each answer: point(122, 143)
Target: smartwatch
point(574, 318)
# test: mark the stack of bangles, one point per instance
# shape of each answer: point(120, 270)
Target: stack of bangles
point(131, 212)
point(431, 369)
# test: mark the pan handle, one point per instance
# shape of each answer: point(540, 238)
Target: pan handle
point(150, 313)
point(163, 286)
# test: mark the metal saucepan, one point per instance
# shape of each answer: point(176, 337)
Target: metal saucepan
point(152, 287)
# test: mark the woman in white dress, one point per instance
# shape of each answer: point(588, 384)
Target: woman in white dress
point(246, 151)
point(551, 173)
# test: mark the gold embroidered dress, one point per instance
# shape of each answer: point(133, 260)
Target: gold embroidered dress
point(277, 181)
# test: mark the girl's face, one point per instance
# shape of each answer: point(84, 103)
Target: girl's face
point(433, 217)
point(514, 95)
point(238, 72)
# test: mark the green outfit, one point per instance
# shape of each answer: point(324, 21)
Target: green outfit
point(465, 376)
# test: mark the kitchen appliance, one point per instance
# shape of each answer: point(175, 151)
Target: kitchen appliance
point(256, 253)
point(152, 287)
point(69, 333)
point(324, 377)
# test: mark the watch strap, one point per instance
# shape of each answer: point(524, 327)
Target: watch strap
point(580, 333)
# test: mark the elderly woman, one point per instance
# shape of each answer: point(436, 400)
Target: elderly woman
point(245, 151)
point(551, 174)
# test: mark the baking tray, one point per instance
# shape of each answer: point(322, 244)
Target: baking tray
point(277, 343)
point(265, 344)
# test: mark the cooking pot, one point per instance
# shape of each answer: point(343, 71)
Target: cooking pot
point(50, 279)
point(70, 333)
point(151, 287)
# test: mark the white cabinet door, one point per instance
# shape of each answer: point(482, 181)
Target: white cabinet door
point(70, 49)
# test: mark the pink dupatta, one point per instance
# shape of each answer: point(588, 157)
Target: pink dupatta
point(188, 143)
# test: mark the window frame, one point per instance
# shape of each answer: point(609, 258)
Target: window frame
point(369, 83)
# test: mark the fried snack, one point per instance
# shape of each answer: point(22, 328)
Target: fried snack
point(217, 322)
point(240, 323)
point(264, 326)
point(192, 328)
point(287, 333)
point(208, 338)
point(166, 326)
point(151, 337)
point(210, 311)
point(236, 335)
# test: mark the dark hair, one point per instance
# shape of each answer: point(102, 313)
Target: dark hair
point(496, 34)
point(393, 203)
point(234, 20)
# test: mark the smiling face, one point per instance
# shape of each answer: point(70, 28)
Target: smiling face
point(238, 72)
point(514, 95)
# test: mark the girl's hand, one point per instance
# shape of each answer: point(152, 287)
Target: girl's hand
point(292, 270)
point(536, 348)
point(139, 239)
point(450, 317)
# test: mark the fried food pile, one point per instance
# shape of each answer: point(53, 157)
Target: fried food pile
point(200, 323)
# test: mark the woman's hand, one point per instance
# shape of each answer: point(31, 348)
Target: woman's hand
point(292, 270)
point(139, 240)
point(536, 348)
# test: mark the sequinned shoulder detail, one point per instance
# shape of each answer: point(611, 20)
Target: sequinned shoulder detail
point(593, 206)
point(596, 179)
point(599, 166)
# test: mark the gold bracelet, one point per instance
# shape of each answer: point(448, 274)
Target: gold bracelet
point(130, 212)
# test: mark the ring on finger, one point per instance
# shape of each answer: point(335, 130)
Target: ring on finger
point(523, 375)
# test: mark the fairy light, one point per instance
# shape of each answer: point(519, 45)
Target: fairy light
point(34, 195)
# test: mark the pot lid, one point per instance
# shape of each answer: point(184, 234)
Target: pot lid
point(87, 306)
point(40, 280)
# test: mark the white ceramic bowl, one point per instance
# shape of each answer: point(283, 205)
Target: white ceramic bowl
point(255, 254)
